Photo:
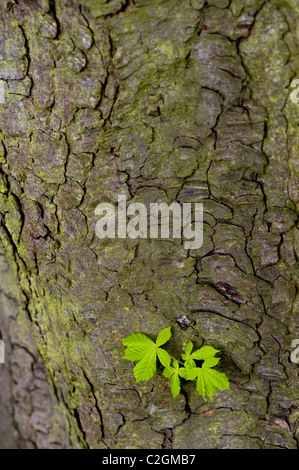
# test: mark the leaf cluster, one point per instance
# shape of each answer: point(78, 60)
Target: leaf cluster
point(144, 351)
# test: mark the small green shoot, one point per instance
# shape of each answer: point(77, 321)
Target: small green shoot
point(141, 349)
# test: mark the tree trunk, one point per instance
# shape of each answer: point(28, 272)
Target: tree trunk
point(162, 101)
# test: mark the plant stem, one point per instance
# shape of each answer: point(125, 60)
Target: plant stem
point(176, 360)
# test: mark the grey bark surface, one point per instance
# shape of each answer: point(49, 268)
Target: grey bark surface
point(160, 100)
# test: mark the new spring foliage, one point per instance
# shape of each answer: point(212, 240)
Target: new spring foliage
point(144, 351)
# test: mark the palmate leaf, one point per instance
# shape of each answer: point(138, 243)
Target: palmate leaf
point(143, 349)
point(163, 336)
point(208, 379)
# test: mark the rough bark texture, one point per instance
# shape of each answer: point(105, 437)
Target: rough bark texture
point(161, 100)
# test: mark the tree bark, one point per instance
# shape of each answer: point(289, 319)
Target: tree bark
point(163, 101)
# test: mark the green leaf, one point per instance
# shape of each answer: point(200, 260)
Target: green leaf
point(192, 373)
point(211, 362)
point(143, 349)
point(188, 348)
point(137, 338)
point(164, 357)
point(146, 368)
point(201, 386)
point(175, 385)
point(175, 373)
point(182, 372)
point(175, 363)
point(204, 353)
point(134, 353)
point(168, 372)
point(209, 380)
point(137, 346)
point(189, 364)
point(163, 336)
